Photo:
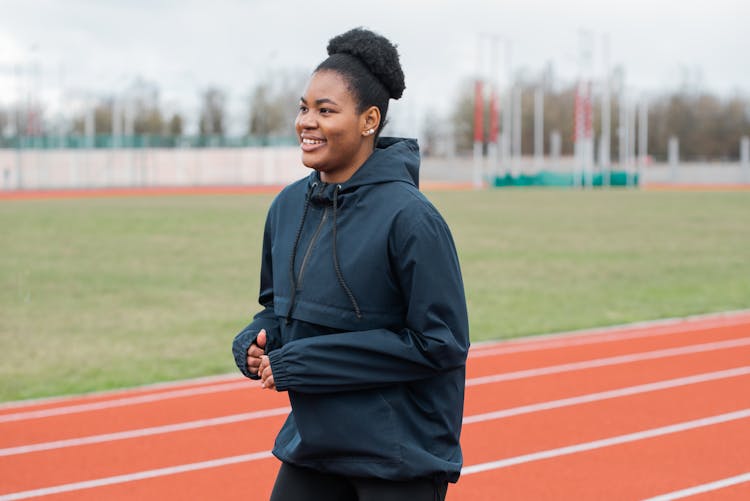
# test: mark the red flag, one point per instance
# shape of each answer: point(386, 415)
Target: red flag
point(494, 125)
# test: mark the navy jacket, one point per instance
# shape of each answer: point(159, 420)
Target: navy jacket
point(366, 323)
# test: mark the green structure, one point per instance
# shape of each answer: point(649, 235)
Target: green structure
point(562, 179)
point(104, 141)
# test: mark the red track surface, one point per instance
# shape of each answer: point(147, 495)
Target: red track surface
point(627, 413)
point(181, 190)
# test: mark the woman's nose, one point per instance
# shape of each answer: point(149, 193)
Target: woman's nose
point(306, 121)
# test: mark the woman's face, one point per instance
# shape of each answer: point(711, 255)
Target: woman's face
point(332, 135)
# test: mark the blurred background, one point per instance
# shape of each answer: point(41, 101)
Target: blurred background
point(107, 98)
point(656, 83)
point(591, 158)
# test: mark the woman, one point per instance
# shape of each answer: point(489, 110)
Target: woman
point(364, 321)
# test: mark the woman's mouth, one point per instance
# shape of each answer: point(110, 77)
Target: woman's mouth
point(309, 144)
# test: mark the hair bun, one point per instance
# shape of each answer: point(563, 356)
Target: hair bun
point(376, 52)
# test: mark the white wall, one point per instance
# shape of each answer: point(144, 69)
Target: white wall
point(80, 168)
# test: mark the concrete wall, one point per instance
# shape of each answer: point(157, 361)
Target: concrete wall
point(56, 169)
point(104, 168)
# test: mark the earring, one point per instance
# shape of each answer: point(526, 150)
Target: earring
point(368, 132)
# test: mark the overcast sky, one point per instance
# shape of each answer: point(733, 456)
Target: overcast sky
point(183, 46)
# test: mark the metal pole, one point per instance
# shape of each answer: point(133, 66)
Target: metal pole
point(507, 109)
point(577, 136)
point(19, 130)
point(631, 142)
point(584, 145)
point(129, 139)
point(583, 113)
point(61, 104)
point(493, 82)
point(517, 130)
point(589, 134)
point(642, 138)
point(539, 127)
point(674, 157)
point(478, 120)
point(90, 132)
point(501, 111)
point(555, 145)
point(745, 158)
point(622, 132)
point(605, 140)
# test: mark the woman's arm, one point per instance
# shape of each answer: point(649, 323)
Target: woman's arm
point(265, 320)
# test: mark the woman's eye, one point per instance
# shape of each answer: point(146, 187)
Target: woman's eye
point(302, 108)
point(325, 111)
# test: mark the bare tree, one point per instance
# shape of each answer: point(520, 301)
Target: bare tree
point(175, 126)
point(274, 104)
point(463, 118)
point(5, 120)
point(149, 121)
point(213, 112)
point(708, 128)
point(102, 119)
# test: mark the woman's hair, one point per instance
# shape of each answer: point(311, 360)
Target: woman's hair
point(369, 63)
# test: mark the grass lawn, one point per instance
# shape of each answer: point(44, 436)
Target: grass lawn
point(104, 293)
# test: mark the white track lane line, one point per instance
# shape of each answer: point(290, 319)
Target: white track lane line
point(536, 342)
point(700, 489)
point(196, 382)
point(607, 395)
point(616, 360)
point(495, 378)
point(143, 432)
point(476, 418)
point(637, 329)
point(482, 349)
point(121, 402)
point(602, 337)
point(141, 475)
point(469, 470)
point(607, 442)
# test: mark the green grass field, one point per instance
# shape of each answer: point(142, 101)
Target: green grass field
point(105, 293)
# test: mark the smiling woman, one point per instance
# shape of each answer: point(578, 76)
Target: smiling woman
point(369, 343)
point(335, 139)
point(345, 104)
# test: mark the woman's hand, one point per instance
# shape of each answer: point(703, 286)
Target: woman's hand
point(255, 352)
point(265, 373)
point(258, 363)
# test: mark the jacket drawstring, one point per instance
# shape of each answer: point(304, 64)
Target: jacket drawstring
point(337, 267)
point(294, 254)
point(340, 275)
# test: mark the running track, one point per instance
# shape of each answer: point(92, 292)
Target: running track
point(658, 410)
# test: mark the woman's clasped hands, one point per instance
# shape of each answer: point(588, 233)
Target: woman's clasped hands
point(259, 363)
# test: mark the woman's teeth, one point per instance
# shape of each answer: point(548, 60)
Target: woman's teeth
point(312, 141)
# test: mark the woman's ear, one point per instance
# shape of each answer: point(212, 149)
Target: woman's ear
point(370, 120)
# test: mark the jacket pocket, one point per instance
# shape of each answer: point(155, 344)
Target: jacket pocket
point(353, 426)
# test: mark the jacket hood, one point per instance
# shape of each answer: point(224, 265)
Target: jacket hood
point(393, 160)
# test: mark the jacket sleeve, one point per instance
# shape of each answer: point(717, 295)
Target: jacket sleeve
point(435, 338)
point(266, 318)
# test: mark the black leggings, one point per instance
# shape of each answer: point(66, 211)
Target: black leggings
point(302, 484)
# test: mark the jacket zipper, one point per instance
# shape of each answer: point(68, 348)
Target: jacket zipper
point(310, 247)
